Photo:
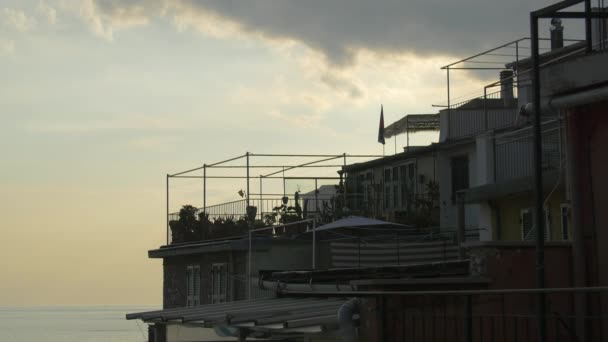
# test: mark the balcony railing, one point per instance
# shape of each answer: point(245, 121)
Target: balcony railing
point(514, 156)
point(486, 112)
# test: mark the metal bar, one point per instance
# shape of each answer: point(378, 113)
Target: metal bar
point(577, 15)
point(485, 107)
point(247, 155)
point(550, 10)
point(588, 36)
point(309, 163)
point(475, 68)
point(168, 228)
point(244, 177)
point(204, 188)
point(316, 155)
point(261, 205)
point(314, 245)
point(483, 53)
point(268, 166)
point(538, 181)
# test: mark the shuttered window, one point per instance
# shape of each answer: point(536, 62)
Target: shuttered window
point(528, 230)
point(218, 287)
point(193, 285)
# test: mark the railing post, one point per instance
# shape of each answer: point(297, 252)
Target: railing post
point(168, 227)
point(247, 155)
point(205, 188)
point(314, 245)
point(485, 108)
point(261, 205)
point(316, 199)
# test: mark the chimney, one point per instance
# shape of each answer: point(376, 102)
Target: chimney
point(506, 87)
point(557, 34)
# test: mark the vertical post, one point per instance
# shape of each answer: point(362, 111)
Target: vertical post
point(249, 267)
point(247, 199)
point(517, 58)
point(284, 191)
point(314, 245)
point(205, 188)
point(344, 179)
point(316, 199)
point(485, 108)
point(449, 110)
point(168, 228)
point(460, 233)
point(588, 35)
point(538, 182)
point(261, 205)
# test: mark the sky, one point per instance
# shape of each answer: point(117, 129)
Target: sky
point(99, 100)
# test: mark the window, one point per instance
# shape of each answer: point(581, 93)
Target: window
point(387, 197)
point(387, 175)
point(460, 175)
point(528, 231)
point(218, 287)
point(565, 220)
point(395, 196)
point(395, 174)
point(193, 285)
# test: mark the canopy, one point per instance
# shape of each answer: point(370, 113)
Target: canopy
point(359, 222)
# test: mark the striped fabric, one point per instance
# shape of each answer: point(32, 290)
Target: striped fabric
point(370, 254)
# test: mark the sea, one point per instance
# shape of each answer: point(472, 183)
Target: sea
point(72, 324)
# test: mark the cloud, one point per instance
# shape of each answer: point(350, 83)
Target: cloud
point(17, 20)
point(133, 123)
point(7, 47)
point(47, 11)
point(105, 17)
point(340, 28)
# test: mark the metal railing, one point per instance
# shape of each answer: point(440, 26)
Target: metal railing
point(513, 156)
point(481, 113)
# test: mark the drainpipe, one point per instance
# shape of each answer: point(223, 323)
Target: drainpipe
point(346, 313)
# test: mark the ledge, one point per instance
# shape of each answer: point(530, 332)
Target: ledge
point(424, 281)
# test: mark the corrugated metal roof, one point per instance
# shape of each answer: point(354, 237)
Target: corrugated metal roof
point(275, 314)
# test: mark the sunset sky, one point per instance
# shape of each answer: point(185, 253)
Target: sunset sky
point(100, 99)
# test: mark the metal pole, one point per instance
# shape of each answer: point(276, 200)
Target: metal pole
point(316, 199)
point(588, 36)
point(314, 245)
point(261, 201)
point(449, 110)
point(249, 268)
point(485, 108)
point(168, 228)
point(538, 181)
point(344, 180)
point(205, 188)
point(284, 192)
point(247, 199)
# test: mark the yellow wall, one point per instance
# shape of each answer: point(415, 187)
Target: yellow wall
point(511, 207)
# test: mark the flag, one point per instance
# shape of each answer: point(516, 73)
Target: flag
point(381, 127)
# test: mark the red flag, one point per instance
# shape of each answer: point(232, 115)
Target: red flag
point(381, 128)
